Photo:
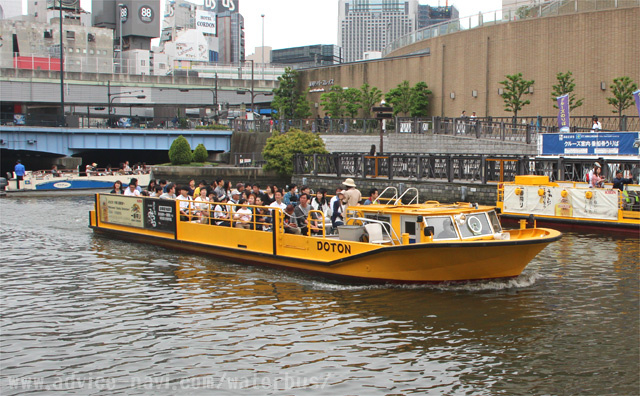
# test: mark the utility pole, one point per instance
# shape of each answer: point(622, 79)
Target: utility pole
point(62, 121)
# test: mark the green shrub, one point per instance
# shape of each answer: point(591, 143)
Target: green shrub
point(280, 149)
point(180, 151)
point(200, 153)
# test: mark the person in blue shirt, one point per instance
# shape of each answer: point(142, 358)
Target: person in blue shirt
point(619, 181)
point(373, 195)
point(19, 170)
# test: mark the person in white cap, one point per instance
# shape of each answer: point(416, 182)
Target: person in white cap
point(352, 195)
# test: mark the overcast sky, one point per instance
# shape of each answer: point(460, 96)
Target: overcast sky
point(293, 23)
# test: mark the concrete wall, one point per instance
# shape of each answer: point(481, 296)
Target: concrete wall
point(595, 46)
point(441, 191)
point(426, 144)
point(182, 174)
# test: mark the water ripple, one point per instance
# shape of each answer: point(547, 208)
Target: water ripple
point(84, 314)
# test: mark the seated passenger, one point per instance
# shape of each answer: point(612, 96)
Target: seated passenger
point(186, 204)
point(201, 206)
point(117, 188)
point(290, 223)
point(242, 216)
point(337, 208)
point(170, 191)
point(302, 213)
point(262, 219)
point(132, 188)
point(221, 212)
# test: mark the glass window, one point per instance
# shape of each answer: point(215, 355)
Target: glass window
point(443, 227)
point(474, 225)
point(493, 217)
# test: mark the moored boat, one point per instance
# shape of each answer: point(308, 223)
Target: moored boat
point(45, 181)
point(380, 243)
point(570, 204)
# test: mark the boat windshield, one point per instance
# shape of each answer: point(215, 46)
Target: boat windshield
point(474, 225)
point(495, 222)
point(443, 227)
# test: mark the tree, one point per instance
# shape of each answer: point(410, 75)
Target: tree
point(287, 96)
point(200, 154)
point(622, 90)
point(333, 101)
point(351, 99)
point(180, 151)
point(303, 110)
point(400, 98)
point(565, 86)
point(420, 99)
point(514, 87)
point(280, 149)
point(369, 97)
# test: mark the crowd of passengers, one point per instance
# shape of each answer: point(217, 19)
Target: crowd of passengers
point(246, 205)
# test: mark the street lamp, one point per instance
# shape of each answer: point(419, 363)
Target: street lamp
point(252, 80)
point(263, 61)
point(120, 7)
point(243, 91)
point(116, 95)
point(62, 121)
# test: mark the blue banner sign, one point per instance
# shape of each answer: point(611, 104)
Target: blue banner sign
point(605, 143)
point(563, 113)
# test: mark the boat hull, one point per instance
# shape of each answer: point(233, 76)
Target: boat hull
point(626, 227)
point(410, 264)
point(50, 184)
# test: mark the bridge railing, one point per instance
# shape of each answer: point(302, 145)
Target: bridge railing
point(451, 168)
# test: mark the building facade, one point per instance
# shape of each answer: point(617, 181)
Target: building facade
point(464, 69)
point(428, 15)
point(307, 56)
point(369, 25)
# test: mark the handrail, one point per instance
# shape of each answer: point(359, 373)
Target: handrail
point(310, 219)
point(364, 220)
point(416, 198)
point(395, 194)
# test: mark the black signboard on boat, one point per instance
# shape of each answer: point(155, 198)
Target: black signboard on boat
point(159, 214)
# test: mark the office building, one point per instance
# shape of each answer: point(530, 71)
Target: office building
point(428, 15)
point(307, 56)
point(370, 25)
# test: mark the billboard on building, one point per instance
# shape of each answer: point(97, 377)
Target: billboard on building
point(139, 18)
point(206, 22)
point(220, 6)
point(227, 6)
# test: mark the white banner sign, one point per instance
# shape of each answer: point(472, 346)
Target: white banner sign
point(548, 201)
point(206, 22)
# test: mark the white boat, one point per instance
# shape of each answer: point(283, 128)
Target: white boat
point(72, 180)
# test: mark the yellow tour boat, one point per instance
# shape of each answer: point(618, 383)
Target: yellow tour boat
point(570, 204)
point(386, 242)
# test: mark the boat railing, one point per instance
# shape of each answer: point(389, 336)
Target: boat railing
point(383, 199)
point(416, 197)
point(261, 216)
point(315, 220)
point(386, 227)
point(45, 174)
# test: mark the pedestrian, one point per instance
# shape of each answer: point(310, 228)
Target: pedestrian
point(19, 171)
point(596, 126)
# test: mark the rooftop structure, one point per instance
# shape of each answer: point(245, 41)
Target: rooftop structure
point(307, 56)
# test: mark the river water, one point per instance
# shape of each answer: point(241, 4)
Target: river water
point(83, 314)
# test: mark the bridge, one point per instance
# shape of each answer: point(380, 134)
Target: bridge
point(72, 141)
